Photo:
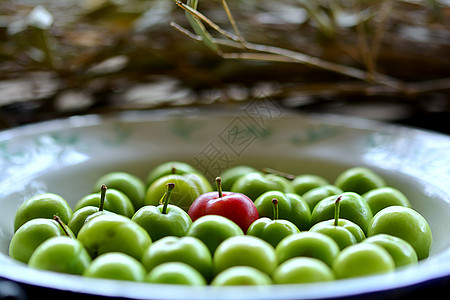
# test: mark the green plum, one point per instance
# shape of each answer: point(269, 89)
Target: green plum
point(187, 188)
point(380, 198)
point(245, 251)
point(163, 220)
point(272, 231)
point(256, 183)
point(188, 249)
point(344, 232)
point(313, 196)
point(175, 273)
point(30, 235)
point(170, 168)
point(291, 208)
point(230, 175)
point(79, 218)
point(361, 260)
point(212, 230)
point(116, 202)
point(405, 223)
point(117, 266)
point(42, 206)
point(84, 214)
point(114, 233)
point(306, 182)
point(302, 270)
point(201, 181)
point(400, 250)
point(61, 254)
point(308, 244)
point(101, 210)
point(359, 180)
point(286, 185)
point(241, 275)
point(352, 207)
point(132, 186)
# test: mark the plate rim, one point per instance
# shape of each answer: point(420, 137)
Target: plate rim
point(7, 271)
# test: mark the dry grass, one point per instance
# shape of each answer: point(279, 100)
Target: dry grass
point(68, 57)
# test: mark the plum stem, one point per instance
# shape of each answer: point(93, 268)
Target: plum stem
point(337, 207)
point(219, 186)
point(170, 187)
point(275, 208)
point(63, 226)
point(279, 173)
point(103, 189)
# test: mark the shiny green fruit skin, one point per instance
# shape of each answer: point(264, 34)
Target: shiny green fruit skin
point(175, 222)
point(212, 230)
point(272, 231)
point(188, 250)
point(61, 254)
point(405, 223)
point(187, 188)
point(359, 180)
point(340, 235)
point(306, 182)
point(132, 186)
point(308, 244)
point(383, 197)
point(83, 215)
point(241, 275)
point(230, 175)
point(42, 206)
point(79, 217)
point(361, 260)
point(114, 233)
point(302, 270)
point(117, 266)
point(115, 201)
point(255, 184)
point(315, 195)
point(30, 235)
point(345, 234)
point(286, 185)
point(175, 273)
point(352, 227)
point(245, 251)
point(291, 207)
point(167, 168)
point(200, 181)
point(400, 250)
point(353, 207)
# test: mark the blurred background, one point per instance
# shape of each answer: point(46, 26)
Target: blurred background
point(386, 60)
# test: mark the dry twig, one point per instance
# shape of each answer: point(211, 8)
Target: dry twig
point(273, 53)
point(262, 52)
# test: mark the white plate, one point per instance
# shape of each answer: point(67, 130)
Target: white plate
point(67, 156)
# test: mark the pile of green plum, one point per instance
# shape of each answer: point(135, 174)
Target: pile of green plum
point(256, 227)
